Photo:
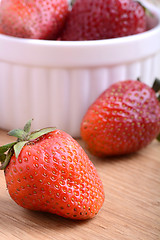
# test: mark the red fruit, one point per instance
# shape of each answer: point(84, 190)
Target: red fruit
point(38, 19)
point(1, 30)
point(124, 119)
point(52, 173)
point(102, 19)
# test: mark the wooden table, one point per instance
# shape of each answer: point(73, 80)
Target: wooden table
point(131, 210)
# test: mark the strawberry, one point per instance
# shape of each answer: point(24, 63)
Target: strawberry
point(103, 19)
point(1, 32)
point(37, 19)
point(49, 171)
point(123, 119)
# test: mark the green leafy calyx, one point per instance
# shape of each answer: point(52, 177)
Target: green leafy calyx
point(23, 137)
point(156, 88)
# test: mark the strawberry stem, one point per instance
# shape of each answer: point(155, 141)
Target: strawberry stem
point(27, 127)
point(7, 159)
point(6, 147)
point(18, 147)
point(156, 85)
point(23, 137)
point(72, 2)
point(158, 138)
point(2, 157)
point(156, 88)
point(40, 133)
point(19, 133)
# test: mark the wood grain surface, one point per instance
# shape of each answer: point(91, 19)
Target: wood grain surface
point(131, 210)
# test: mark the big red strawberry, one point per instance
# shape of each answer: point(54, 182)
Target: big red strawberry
point(124, 119)
point(39, 19)
point(102, 19)
point(49, 171)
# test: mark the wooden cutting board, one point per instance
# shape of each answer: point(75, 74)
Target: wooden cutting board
point(131, 210)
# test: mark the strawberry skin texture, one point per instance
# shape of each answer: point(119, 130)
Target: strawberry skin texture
point(103, 19)
point(38, 19)
point(54, 174)
point(124, 119)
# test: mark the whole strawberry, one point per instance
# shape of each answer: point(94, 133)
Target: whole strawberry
point(49, 171)
point(102, 19)
point(124, 119)
point(37, 19)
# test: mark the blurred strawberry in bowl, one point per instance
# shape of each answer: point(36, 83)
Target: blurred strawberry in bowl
point(103, 19)
point(38, 19)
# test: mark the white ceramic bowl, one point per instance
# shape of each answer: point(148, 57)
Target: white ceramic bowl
point(55, 82)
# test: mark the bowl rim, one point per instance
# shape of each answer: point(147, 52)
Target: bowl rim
point(87, 43)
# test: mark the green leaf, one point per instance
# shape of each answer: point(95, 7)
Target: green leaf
point(19, 133)
point(27, 127)
point(72, 2)
point(41, 132)
point(158, 138)
point(7, 159)
point(2, 157)
point(6, 147)
point(18, 147)
point(156, 85)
